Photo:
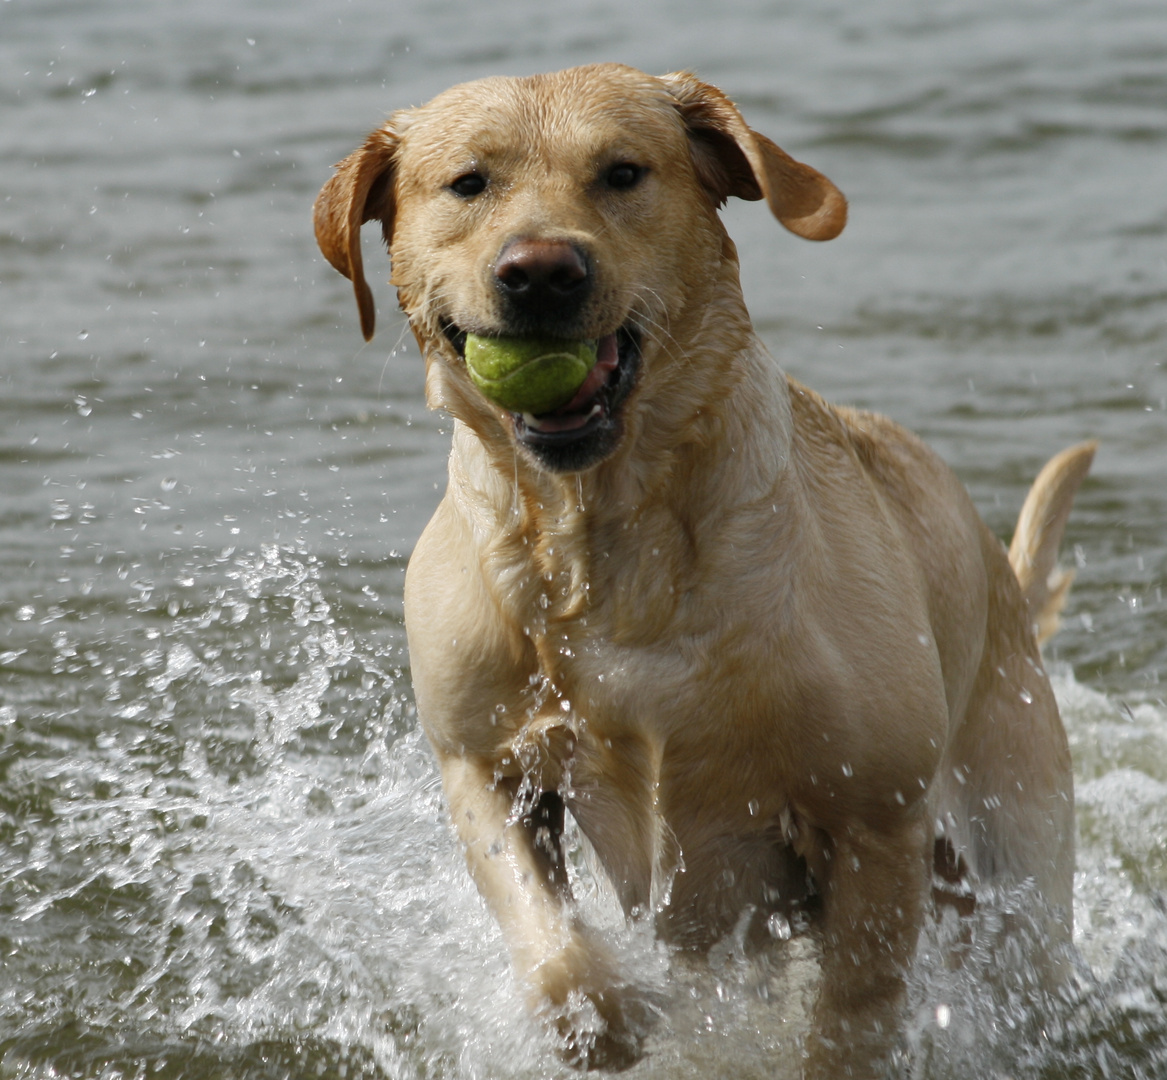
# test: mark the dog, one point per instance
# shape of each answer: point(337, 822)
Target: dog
point(762, 649)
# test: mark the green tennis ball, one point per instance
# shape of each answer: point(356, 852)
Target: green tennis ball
point(529, 375)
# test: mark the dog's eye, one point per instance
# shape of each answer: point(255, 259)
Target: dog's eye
point(466, 187)
point(623, 176)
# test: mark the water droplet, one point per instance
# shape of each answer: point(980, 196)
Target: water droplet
point(779, 926)
point(753, 808)
point(25, 613)
point(847, 770)
point(169, 484)
point(83, 335)
point(1027, 697)
point(943, 1016)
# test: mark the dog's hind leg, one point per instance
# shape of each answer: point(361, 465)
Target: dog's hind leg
point(1004, 798)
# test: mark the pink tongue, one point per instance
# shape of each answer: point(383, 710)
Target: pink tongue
point(581, 408)
point(607, 357)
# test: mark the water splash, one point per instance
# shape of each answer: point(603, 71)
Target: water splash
point(230, 857)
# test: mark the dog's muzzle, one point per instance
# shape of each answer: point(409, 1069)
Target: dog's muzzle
point(586, 430)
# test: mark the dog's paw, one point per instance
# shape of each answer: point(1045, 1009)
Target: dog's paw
point(600, 1017)
point(604, 1029)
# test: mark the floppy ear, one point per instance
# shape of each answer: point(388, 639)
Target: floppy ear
point(732, 159)
point(359, 191)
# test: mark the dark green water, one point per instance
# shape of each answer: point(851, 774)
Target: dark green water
point(222, 846)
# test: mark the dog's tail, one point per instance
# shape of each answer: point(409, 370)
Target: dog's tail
point(1034, 551)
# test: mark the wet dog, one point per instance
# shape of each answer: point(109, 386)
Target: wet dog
point(762, 649)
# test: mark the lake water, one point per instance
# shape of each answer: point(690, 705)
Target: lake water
point(222, 846)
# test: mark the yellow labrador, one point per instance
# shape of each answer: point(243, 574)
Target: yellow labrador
point(762, 649)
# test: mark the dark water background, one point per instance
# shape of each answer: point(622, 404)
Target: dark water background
point(222, 848)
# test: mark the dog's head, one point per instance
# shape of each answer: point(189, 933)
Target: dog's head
point(577, 205)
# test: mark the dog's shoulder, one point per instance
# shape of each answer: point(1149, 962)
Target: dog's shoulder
point(922, 493)
point(890, 454)
point(897, 460)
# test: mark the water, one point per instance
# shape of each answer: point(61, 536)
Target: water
point(222, 846)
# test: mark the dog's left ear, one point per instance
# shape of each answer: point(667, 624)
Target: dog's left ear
point(359, 191)
point(732, 159)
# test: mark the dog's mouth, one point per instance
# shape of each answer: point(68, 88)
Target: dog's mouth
point(592, 415)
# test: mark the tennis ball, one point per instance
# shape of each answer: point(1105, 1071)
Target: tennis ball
point(529, 375)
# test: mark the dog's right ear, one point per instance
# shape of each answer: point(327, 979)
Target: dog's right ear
point(359, 191)
point(733, 159)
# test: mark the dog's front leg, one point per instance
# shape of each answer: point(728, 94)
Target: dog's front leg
point(516, 862)
point(873, 909)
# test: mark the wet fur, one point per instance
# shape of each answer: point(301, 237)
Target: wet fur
point(762, 649)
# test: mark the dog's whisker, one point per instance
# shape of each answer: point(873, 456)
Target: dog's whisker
point(659, 334)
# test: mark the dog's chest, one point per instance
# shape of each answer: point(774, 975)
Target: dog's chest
point(672, 725)
point(677, 810)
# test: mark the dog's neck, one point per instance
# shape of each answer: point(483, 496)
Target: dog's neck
point(551, 541)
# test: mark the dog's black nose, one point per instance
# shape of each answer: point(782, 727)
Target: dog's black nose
point(542, 279)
